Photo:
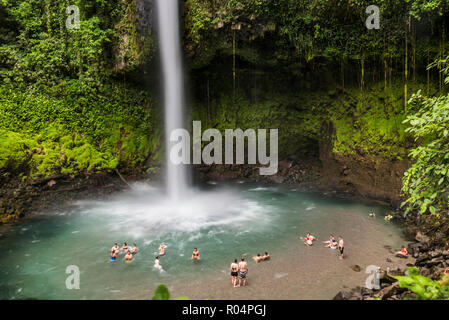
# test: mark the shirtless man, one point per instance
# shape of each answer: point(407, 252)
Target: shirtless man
point(266, 256)
point(258, 258)
point(243, 271)
point(341, 247)
point(234, 272)
point(115, 248)
point(195, 254)
point(162, 248)
point(129, 256)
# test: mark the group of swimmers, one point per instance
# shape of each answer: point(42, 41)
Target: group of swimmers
point(387, 218)
point(259, 257)
point(129, 252)
point(331, 243)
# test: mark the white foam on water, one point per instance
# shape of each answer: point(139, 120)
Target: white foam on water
point(144, 210)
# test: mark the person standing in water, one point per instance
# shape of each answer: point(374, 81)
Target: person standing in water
point(341, 247)
point(234, 272)
point(157, 264)
point(243, 271)
point(125, 247)
point(113, 256)
point(162, 248)
point(195, 255)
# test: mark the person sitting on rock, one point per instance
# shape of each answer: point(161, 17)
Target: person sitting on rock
point(403, 252)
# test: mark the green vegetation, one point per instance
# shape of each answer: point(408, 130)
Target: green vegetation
point(162, 293)
point(78, 101)
point(426, 182)
point(423, 287)
point(62, 109)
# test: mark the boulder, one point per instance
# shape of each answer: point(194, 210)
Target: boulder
point(342, 295)
point(420, 237)
point(446, 254)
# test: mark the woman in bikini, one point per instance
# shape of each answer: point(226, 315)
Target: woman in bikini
point(234, 272)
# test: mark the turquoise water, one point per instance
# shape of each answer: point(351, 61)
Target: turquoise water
point(222, 221)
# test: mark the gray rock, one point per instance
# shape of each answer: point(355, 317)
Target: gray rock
point(342, 295)
point(356, 268)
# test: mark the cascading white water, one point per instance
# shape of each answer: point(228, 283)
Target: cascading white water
point(170, 50)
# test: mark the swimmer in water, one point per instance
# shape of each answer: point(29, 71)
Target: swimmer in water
point(331, 243)
point(113, 256)
point(234, 272)
point(157, 264)
point(162, 248)
point(125, 247)
point(308, 240)
point(129, 256)
point(258, 258)
point(266, 256)
point(195, 254)
point(133, 250)
point(115, 248)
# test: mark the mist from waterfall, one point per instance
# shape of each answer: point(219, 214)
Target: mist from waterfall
point(170, 51)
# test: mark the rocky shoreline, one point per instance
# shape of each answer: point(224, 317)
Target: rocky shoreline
point(428, 250)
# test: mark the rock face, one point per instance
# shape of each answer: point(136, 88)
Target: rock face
point(369, 176)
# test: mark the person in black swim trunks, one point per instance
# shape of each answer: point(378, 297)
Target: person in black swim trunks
point(195, 254)
point(234, 272)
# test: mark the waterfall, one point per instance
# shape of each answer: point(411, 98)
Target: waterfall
point(170, 51)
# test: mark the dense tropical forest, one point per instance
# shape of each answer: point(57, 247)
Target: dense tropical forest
point(87, 100)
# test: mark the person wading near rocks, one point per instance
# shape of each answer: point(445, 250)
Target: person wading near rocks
point(341, 247)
